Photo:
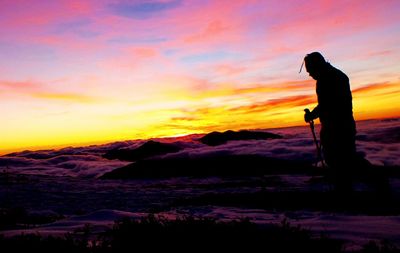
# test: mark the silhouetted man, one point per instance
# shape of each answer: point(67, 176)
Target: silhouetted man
point(335, 112)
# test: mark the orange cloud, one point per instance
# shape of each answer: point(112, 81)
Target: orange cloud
point(271, 113)
point(286, 110)
point(374, 87)
point(183, 118)
point(278, 87)
point(202, 89)
point(277, 104)
point(377, 100)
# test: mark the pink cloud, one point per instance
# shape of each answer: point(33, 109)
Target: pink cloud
point(33, 16)
point(206, 25)
point(20, 86)
point(65, 26)
point(135, 60)
point(41, 90)
point(228, 69)
point(305, 28)
point(143, 52)
point(70, 44)
point(198, 27)
point(78, 6)
point(211, 32)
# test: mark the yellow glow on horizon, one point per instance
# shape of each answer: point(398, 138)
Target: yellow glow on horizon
point(181, 114)
point(382, 103)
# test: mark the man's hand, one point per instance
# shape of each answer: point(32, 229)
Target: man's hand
point(308, 116)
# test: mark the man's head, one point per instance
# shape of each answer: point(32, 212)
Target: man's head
point(314, 63)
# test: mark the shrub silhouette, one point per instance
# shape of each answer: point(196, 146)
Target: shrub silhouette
point(185, 234)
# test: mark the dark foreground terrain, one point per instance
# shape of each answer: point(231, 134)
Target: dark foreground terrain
point(185, 234)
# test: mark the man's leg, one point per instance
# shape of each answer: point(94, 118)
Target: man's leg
point(341, 166)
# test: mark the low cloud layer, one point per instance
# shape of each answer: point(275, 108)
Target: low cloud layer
point(378, 140)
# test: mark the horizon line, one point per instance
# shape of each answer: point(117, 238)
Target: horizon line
point(105, 142)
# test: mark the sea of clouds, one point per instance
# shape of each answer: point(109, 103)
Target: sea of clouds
point(377, 140)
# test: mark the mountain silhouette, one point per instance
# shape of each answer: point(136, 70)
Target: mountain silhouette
point(218, 138)
point(148, 149)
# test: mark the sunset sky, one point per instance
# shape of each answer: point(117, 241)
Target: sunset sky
point(88, 72)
